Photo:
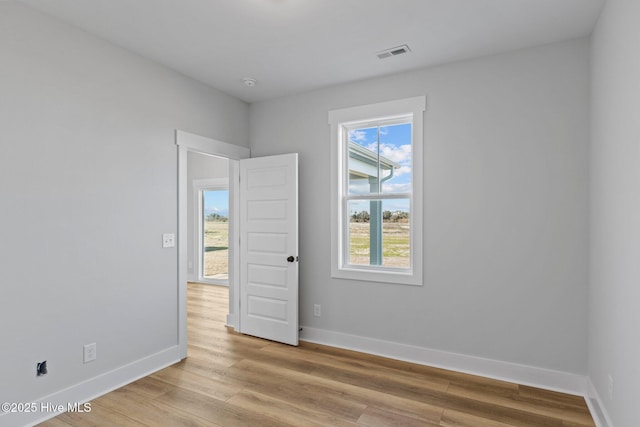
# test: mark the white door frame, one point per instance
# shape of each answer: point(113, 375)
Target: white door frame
point(188, 142)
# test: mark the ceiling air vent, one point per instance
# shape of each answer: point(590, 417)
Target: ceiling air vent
point(394, 51)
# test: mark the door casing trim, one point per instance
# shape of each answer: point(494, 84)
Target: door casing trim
point(189, 142)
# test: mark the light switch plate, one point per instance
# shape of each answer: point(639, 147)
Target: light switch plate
point(168, 240)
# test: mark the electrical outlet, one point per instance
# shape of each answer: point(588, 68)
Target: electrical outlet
point(610, 388)
point(90, 352)
point(41, 368)
point(168, 240)
point(316, 310)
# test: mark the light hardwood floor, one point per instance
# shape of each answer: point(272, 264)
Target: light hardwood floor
point(230, 379)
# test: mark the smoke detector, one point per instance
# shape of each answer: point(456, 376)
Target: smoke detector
point(249, 81)
point(394, 51)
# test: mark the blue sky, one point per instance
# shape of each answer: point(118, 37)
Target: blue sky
point(216, 202)
point(395, 145)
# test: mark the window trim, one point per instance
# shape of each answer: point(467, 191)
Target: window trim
point(338, 120)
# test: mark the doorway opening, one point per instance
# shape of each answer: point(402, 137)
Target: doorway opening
point(209, 218)
point(276, 178)
point(213, 234)
point(195, 147)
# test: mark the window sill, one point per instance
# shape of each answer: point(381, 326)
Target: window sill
point(379, 276)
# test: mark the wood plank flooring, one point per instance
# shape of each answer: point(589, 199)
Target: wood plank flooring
point(235, 380)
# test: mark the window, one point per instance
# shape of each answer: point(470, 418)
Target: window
point(377, 192)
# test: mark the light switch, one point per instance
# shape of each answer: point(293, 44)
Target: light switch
point(168, 240)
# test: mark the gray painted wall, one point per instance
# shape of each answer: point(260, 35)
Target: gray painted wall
point(614, 307)
point(88, 184)
point(506, 197)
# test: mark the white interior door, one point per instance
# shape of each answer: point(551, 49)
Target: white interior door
point(269, 247)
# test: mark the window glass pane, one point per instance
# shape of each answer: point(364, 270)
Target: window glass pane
point(396, 233)
point(215, 251)
point(359, 233)
point(395, 158)
point(379, 233)
point(363, 160)
point(380, 159)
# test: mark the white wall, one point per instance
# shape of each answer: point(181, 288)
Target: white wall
point(88, 184)
point(506, 202)
point(199, 166)
point(614, 306)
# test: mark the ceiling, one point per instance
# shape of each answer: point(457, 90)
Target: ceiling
point(292, 46)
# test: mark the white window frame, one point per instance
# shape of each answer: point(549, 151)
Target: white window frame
point(339, 120)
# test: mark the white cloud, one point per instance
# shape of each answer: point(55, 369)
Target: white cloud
point(396, 188)
point(399, 154)
point(402, 170)
point(357, 136)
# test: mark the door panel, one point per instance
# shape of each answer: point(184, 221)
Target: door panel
point(268, 236)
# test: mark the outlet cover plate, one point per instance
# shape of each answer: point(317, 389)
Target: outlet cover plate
point(90, 352)
point(168, 240)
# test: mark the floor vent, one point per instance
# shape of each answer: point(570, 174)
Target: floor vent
point(394, 51)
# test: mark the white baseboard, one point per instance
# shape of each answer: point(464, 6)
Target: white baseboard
point(231, 321)
point(526, 375)
point(596, 406)
point(92, 388)
point(505, 371)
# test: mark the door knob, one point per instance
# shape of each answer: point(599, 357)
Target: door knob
point(290, 258)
